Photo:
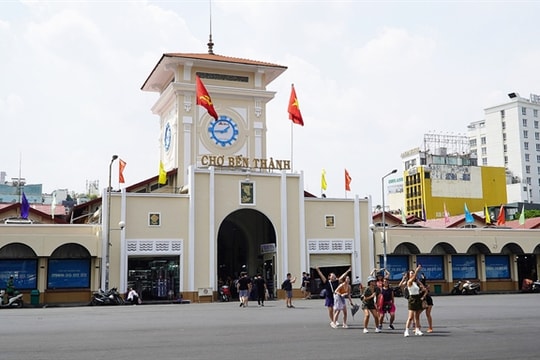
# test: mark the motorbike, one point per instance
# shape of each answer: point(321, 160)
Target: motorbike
point(14, 301)
point(224, 293)
point(470, 288)
point(465, 288)
point(530, 286)
point(110, 297)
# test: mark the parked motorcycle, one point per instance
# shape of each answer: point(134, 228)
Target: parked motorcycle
point(14, 301)
point(224, 293)
point(530, 286)
point(465, 288)
point(470, 288)
point(457, 288)
point(110, 297)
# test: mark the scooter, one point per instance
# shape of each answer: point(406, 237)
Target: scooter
point(111, 297)
point(224, 293)
point(470, 288)
point(14, 301)
point(457, 288)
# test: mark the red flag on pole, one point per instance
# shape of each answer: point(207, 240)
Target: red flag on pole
point(294, 110)
point(501, 218)
point(204, 100)
point(348, 180)
point(121, 165)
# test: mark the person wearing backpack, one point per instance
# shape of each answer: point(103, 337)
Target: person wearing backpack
point(287, 286)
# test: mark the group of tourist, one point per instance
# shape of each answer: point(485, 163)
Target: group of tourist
point(378, 299)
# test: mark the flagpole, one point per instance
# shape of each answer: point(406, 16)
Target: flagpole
point(292, 148)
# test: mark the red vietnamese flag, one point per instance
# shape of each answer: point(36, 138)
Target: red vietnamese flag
point(501, 218)
point(121, 165)
point(294, 110)
point(204, 100)
point(348, 180)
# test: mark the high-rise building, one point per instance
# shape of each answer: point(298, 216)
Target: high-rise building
point(509, 136)
point(444, 177)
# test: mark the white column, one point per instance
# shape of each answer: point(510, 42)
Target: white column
point(191, 235)
point(357, 249)
point(123, 247)
point(304, 256)
point(212, 230)
point(284, 241)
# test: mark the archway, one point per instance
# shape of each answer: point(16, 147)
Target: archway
point(246, 242)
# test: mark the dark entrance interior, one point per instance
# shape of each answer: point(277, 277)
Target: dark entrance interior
point(240, 237)
point(526, 268)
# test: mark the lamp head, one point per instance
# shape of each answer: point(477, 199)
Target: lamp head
point(114, 157)
point(122, 225)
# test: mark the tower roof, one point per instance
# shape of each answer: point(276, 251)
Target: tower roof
point(163, 72)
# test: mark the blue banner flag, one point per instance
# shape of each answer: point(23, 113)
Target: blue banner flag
point(25, 207)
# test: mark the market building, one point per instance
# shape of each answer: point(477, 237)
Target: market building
point(227, 206)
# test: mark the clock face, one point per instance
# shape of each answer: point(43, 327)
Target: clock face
point(223, 131)
point(167, 137)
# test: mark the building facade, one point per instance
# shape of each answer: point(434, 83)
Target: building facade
point(227, 206)
point(444, 177)
point(509, 137)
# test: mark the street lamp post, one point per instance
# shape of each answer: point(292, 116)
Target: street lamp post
point(107, 249)
point(383, 217)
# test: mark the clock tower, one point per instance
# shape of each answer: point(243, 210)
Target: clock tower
point(189, 136)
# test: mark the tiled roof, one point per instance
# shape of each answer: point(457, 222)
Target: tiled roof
point(221, 58)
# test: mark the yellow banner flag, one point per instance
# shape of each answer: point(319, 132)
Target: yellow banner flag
point(323, 180)
point(162, 179)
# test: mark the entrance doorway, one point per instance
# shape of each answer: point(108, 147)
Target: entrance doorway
point(526, 265)
point(239, 241)
point(154, 278)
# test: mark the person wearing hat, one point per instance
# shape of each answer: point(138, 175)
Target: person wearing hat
point(368, 304)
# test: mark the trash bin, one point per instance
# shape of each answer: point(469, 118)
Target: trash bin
point(34, 297)
point(438, 289)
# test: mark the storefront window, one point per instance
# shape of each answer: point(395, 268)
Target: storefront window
point(497, 267)
point(432, 266)
point(396, 265)
point(464, 267)
point(24, 273)
point(155, 278)
point(68, 273)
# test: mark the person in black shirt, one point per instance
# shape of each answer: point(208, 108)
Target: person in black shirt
point(260, 285)
point(244, 288)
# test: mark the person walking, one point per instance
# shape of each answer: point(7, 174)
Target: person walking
point(330, 283)
point(306, 285)
point(368, 304)
point(414, 302)
point(244, 288)
point(386, 305)
point(287, 286)
point(260, 285)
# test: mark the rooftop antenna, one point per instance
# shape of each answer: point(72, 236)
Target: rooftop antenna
point(210, 42)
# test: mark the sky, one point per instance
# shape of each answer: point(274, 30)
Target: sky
point(372, 77)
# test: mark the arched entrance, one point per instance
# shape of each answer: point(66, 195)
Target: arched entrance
point(246, 242)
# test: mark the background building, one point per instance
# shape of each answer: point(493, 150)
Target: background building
point(509, 137)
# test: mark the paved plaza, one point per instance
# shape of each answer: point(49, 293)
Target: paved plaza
point(466, 327)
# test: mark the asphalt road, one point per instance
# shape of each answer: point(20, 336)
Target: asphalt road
point(465, 327)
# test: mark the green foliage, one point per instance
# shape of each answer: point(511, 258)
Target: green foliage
point(528, 214)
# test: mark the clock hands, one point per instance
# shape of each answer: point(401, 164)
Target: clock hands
point(223, 131)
